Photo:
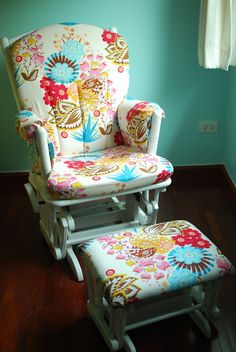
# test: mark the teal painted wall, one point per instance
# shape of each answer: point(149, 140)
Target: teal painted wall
point(162, 37)
point(230, 133)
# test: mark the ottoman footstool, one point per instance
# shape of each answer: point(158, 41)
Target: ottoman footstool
point(147, 274)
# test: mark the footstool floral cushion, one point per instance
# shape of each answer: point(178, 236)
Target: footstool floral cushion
point(144, 262)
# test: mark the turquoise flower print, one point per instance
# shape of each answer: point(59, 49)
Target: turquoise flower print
point(62, 73)
point(24, 114)
point(61, 69)
point(126, 174)
point(73, 49)
point(51, 150)
point(197, 260)
point(182, 278)
point(188, 255)
point(89, 133)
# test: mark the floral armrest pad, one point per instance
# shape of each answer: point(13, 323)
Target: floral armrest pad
point(26, 124)
point(135, 121)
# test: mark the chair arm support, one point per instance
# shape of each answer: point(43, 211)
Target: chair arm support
point(43, 149)
point(140, 123)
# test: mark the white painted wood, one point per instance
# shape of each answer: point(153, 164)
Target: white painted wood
point(113, 323)
point(74, 264)
point(32, 196)
point(42, 143)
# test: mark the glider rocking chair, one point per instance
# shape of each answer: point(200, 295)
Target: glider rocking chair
point(92, 149)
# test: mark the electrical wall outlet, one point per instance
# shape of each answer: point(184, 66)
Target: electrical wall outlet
point(210, 126)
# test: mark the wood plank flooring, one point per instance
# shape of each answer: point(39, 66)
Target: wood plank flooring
point(43, 309)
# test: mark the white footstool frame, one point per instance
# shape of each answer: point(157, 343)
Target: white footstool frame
point(114, 323)
point(114, 318)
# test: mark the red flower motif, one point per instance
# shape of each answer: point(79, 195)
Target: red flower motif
point(200, 243)
point(19, 58)
point(64, 134)
point(135, 110)
point(110, 272)
point(164, 175)
point(120, 69)
point(50, 99)
point(46, 83)
point(118, 138)
point(96, 113)
point(96, 178)
point(191, 232)
point(79, 164)
point(179, 240)
point(109, 37)
point(53, 91)
point(60, 91)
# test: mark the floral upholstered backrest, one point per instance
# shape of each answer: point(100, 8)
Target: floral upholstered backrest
point(73, 76)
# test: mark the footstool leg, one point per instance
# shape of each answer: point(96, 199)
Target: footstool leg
point(201, 322)
point(210, 308)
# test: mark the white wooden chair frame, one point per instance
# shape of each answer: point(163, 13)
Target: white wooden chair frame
point(64, 223)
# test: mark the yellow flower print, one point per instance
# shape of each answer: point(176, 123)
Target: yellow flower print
point(151, 269)
point(15, 48)
point(31, 41)
point(73, 91)
point(161, 244)
point(88, 99)
point(130, 262)
point(25, 54)
point(117, 247)
point(77, 185)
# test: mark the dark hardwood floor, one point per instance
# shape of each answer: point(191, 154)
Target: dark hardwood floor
point(43, 309)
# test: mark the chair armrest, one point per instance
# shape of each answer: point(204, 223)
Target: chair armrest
point(31, 129)
point(140, 123)
point(26, 124)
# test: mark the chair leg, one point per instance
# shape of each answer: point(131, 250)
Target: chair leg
point(74, 263)
point(48, 226)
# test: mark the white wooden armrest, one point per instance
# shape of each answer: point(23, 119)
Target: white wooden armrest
point(42, 143)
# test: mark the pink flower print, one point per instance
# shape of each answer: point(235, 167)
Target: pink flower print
point(159, 276)
point(110, 252)
point(120, 256)
point(160, 256)
point(99, 57)
point(84, 66)
point(33, 49)
point(146, 276)
point(38, 58)
point(163, 265)
point(146, 262)
point(63, 185)
point(223, 264)
point(95, 71)
point(38, 36)
point(103, 238)
point(112, 241)
point(138, 269)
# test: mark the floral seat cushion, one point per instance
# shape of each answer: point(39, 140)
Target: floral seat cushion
point(105, 172)
point(144, 262)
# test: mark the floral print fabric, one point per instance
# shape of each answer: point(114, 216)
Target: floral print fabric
point(73, 76)
point(105, 172)
point(142, 262)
